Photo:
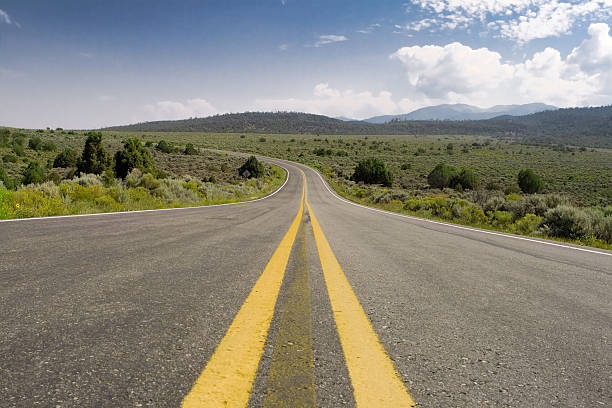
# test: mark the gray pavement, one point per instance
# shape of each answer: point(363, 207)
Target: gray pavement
point(126, 309)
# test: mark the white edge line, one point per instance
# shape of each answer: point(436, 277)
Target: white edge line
point(54, 217)
point(455, 225)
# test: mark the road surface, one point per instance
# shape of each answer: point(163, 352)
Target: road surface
point(299, 299)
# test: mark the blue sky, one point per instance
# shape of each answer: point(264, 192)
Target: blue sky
point(86, 63)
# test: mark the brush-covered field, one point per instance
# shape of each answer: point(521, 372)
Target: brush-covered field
point(574, 205)
point(32, 184)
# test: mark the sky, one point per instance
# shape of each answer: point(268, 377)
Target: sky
point(93, 63)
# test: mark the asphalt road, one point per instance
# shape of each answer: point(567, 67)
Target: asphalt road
point(126, 310)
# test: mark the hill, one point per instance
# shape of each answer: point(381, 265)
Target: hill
point(464, 112)
point(589, 127)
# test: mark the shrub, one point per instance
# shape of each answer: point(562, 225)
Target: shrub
point(33, 174)
point(442, 176)
point(19, 150)
point(529, 182)
point(567, 222)
point(253, 167)
point(528, 224)
point(133, 156)
point(406, 166)
point(66, 158)
point(4, 137)
point(9, 158)
point(164, 146)
point(190, 149)
point(94, 158)
point(5, 180)
point(49, 146)
point(466, 178)
point(262, 139)
point(373, 171)
point(35, 143)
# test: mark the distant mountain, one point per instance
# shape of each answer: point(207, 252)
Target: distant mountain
point(589, 127)
point(464, 112)
point(345, 119)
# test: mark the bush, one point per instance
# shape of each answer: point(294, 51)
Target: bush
point(529, 182)
point(33, 174)
point(66, 158)
point(19, 150)
point(253, 167)
point(49, 146)
point(9, 158)
point(406, 166)
point(190, 149)
point(5, 180)
point(94, 158)
point(567, 222)
point(35, 143)
point(442, 176)
point(133, 156)
point(466, 178)
point(164, 146)
point(528, 224)
point(373, 171)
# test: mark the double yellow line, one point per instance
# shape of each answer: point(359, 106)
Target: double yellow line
point(228, 377)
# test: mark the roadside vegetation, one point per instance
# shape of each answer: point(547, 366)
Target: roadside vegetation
point(559, 192)
point(45, 182)
point(563, 192)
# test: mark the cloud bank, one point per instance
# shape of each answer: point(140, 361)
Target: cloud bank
point(518, 20)
point(174, 110)
point(457, 73)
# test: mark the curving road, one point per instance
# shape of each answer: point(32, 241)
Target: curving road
point(123, 310)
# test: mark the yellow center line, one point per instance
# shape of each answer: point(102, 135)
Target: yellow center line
point(228, 377)
point(375, 381)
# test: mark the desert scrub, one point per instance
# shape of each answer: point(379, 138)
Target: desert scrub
point(89, 194)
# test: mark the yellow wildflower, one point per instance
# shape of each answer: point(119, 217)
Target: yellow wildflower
point(17, 205)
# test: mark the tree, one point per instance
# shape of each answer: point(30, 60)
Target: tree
point(529, 182)
point(66, 158)
point(134, 155)
point(442, 176)
point(251, 168)
point(94, 158)
point(373, 171)
point(33, 174)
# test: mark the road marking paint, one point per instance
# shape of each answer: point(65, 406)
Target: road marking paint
point(375, 381)
point(459, 226)
point(228, 377)
point(52, 217)
point(291, 378)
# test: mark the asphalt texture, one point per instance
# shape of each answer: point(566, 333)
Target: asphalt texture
point(125, 310)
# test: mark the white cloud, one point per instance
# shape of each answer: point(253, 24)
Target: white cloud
point(457, 73)
point(86, 54)
point(519, 20)
point(333, 102)
point(328, 39)
point(4, 17)
point(172, 110)
point(369, 29)
point(283, 47)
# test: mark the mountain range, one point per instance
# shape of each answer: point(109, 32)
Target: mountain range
point(463, 112)
point(588, 127)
